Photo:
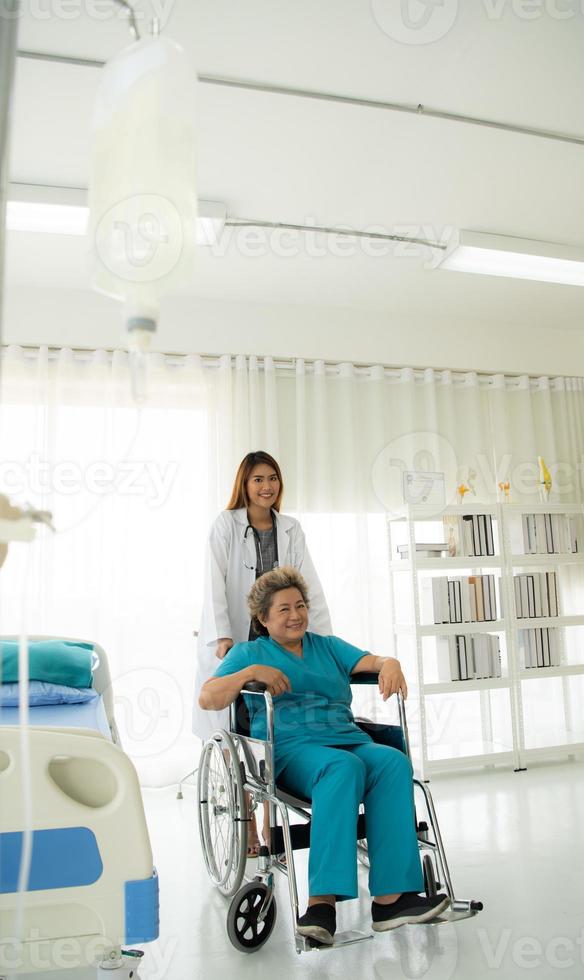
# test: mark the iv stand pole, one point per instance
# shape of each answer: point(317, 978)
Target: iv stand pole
point(9, 13)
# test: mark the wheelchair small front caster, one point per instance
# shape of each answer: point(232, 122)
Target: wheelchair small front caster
point(124, 963)
point(246, 930)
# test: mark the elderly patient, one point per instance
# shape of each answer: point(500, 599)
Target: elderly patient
point(322, 755)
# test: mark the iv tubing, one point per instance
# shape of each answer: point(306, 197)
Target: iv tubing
point(24, 740)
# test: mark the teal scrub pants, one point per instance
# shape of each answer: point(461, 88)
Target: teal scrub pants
point(337, 780)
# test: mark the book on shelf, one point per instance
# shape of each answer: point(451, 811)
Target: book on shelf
point(482, 659)
point(548, 534)
point(552, 591)
point(544, 598)
point(546, 651)
point(477, 587)
point(462, 599)
point(433, 598)
point(463, 590)
point(539, 647)
point(470, 656)
point(447, 659)
point(524, 595)
point(465, 659)
point(493, 591)
point(536, 595)
point(530, 596)
point(469, 535)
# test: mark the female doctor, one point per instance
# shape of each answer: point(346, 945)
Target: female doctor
point(249, 538)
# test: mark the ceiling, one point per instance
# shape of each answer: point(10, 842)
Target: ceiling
point(280, 158)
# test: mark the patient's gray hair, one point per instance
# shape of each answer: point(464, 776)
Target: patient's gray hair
point(265, 588)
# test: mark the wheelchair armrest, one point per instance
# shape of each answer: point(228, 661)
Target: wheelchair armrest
point(261, 689)
point(364, 677)
point(369, 677)
point(254, 687)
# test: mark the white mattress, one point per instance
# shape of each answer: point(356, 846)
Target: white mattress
point(90, 714)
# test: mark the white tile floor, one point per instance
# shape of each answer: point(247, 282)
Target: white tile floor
point(514, 840)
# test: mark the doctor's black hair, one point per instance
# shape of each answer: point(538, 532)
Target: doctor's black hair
point(261, 595)
point(239, 496)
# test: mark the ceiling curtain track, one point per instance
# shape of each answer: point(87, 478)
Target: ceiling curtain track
point(419, 109)
point(391, 372)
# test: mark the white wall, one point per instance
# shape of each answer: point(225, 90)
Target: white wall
point(62, 317)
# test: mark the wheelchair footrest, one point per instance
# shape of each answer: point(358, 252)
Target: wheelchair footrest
point(460, 909)
point(304, 944)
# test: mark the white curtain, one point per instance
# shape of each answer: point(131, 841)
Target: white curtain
point(129, 493)
point(133, 492)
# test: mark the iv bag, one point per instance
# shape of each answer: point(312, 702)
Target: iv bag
point(142, 197)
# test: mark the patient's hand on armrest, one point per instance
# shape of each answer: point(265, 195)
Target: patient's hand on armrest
point(391, 678)
point(276, 682)
point(220, 692)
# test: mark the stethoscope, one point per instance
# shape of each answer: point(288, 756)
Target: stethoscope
point(258, 550)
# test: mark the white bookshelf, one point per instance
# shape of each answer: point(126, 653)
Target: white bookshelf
point(490, 741)
point(446, 629)
point(447, 564)
point(485, 684)
point(566, 737)
point(525, 561)
point(564, 670)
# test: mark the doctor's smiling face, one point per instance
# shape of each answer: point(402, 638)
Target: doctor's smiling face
point(287, 618)
point(262, 487)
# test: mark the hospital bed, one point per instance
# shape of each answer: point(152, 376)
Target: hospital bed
point(92, 887)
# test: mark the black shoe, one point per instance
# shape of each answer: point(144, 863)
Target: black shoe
point(409, 909)
point(319, 922)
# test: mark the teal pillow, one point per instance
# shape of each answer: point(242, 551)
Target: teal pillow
point(53, 661)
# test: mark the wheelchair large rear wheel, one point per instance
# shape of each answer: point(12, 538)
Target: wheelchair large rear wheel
point(245, 929)
point(223, 816)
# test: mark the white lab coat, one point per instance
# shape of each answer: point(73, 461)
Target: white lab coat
point(227, 584)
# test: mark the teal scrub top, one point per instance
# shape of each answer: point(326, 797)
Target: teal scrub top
point(318, 709)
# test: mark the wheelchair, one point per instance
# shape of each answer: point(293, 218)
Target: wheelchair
point(233, 764)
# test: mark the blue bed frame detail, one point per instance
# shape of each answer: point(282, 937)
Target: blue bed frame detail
point(142, 920)
point(63, 858)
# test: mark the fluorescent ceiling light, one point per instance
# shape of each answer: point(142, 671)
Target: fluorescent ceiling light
point(55, 219)
point(516, 258)
point(64, 211)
